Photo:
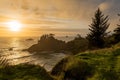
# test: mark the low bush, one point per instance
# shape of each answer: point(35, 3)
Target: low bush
point(24, 72)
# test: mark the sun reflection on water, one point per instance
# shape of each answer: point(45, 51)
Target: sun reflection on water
point(15, 55)
point(15, 42)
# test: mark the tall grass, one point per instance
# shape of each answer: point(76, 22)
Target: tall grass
point(3, 62)
point(90, 65)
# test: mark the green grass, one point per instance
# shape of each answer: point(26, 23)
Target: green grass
point(24, 72)
point(106, 63)
point(100, 64)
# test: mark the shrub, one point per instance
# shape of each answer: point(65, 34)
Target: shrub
point(73, 69)
point(24, 72)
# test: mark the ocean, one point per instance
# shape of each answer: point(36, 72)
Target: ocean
point(11, 48)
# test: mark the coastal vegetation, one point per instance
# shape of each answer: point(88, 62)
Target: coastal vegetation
point(100, 64)
point(24, 72)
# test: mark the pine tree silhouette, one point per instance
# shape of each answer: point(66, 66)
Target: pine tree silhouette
point(117, 33)
point(98, 29)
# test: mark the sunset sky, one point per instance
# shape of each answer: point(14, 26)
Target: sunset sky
point(61, 17)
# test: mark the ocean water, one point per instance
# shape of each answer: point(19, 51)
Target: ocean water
point(11, 48)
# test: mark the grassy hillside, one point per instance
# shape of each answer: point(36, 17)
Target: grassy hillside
point(90, 65)
point(24, 72)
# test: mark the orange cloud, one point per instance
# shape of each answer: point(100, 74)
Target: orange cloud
point(105, 6)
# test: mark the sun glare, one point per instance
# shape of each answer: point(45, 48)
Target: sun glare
point(14, 26)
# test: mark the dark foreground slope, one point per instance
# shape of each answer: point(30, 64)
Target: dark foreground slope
point(24, 72)
point(92, 65)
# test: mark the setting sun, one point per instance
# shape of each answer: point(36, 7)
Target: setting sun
point(14, 25)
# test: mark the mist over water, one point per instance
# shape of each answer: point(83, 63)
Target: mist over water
point(11, 48)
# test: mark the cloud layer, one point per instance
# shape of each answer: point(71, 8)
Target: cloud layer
point(55, 14)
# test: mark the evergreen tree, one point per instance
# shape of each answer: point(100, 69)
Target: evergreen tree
point(117, 33)
point(98, 29)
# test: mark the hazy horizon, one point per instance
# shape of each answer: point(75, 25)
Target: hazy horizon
point(57, 32)
point(37, 17)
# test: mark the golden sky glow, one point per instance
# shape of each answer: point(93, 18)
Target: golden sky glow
point(14, 25)
point(61, 17)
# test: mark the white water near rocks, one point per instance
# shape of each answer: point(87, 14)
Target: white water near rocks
point(11, 49)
